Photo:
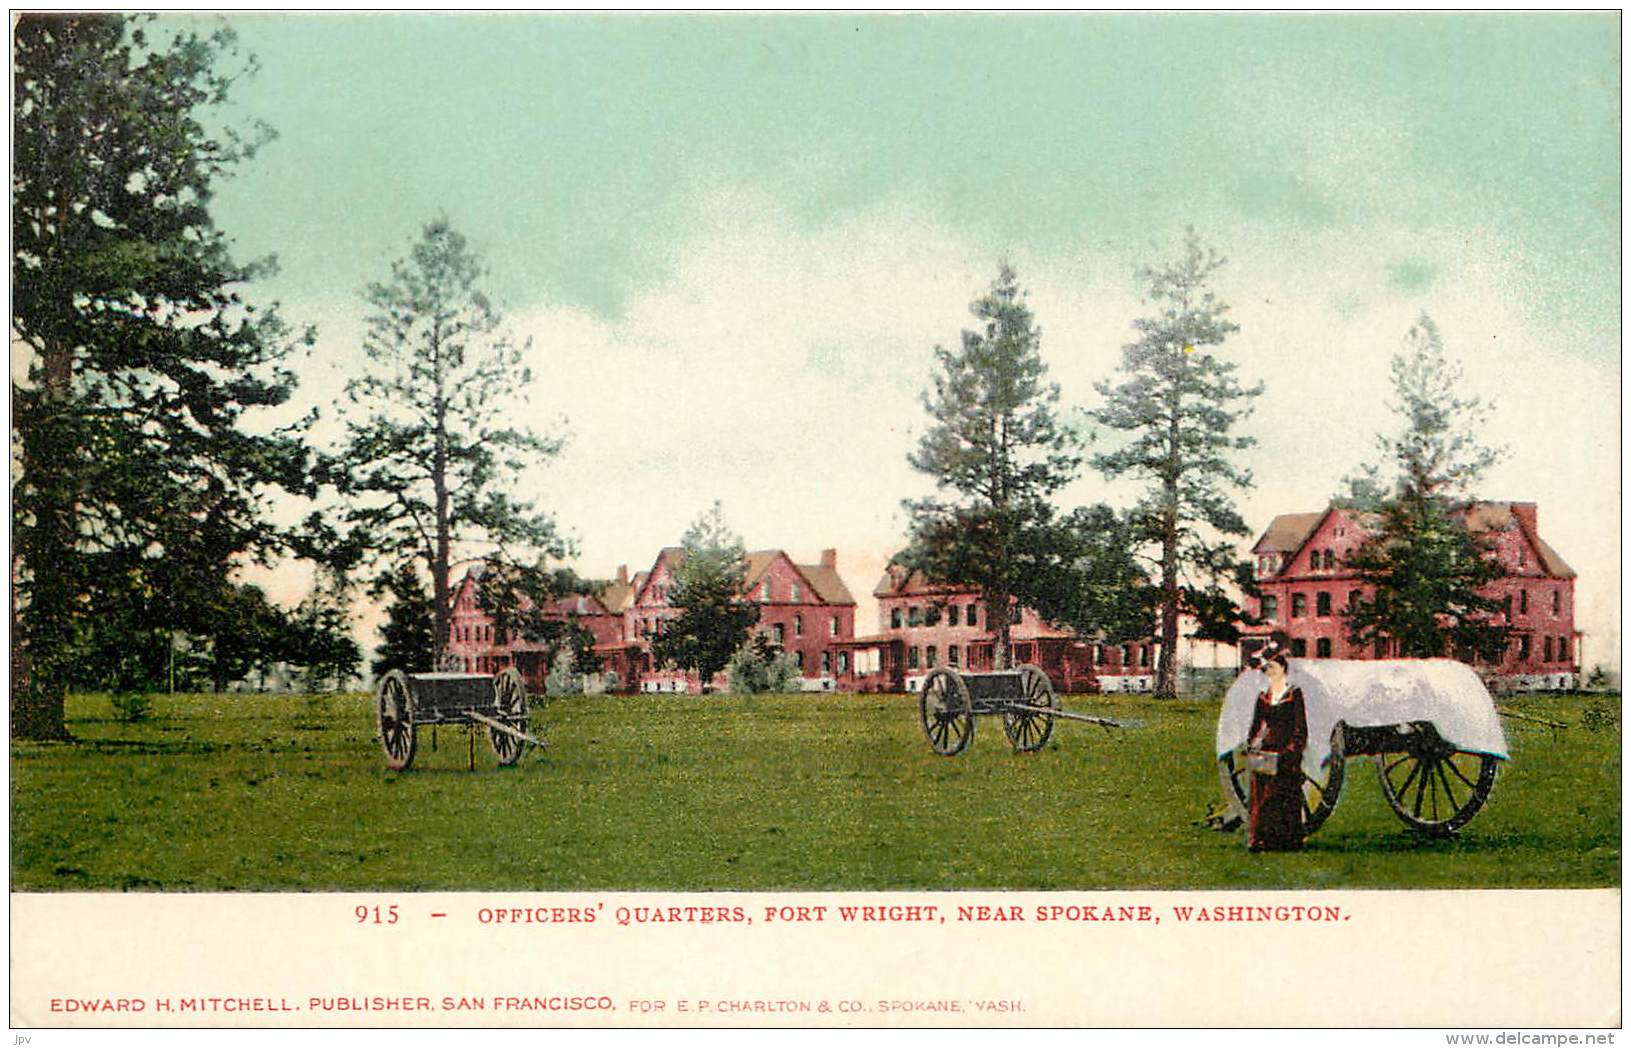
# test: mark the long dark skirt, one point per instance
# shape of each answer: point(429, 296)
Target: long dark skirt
point(1277, 811)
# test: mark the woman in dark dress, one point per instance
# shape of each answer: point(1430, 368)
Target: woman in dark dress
point(1279, 727)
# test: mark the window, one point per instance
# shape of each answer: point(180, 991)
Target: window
point(1271, 608)
point(1523, 602)
point(798, 625)
point(929, 657)
point(1299, 605)
point(1022, 653)
point(1523, 647)
point(1098, 654)
point(843, 662)
point(931, 615)
point(826, 663)
point(973, 614)
point(795, 597)
point(764, 591)
point(1126, 655)
point(1523, 558)
point(1330, 558)
point(911, 657)
point(1557, 602)
point(832, 626)
point(1322, 648)
point(1322, 604)
point(798, 660)
point(1563, 649)
point(1144, 655)
point(914, 617)
point(1353, 599)
point(1546, 649)
point(894, 618)
point(951, 655)
point(778, 631)
point(1299, 647)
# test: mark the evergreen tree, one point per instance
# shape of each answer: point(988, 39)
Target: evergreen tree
point(407, 634)
point(1426, 568)
point(136, 476)
point(1180, 403)
point(714, 620)
point(997, 454)
point(435, 452)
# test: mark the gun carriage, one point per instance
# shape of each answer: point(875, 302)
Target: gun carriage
point(949, 701)
point(407, 701)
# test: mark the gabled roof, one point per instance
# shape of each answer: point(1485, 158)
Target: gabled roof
point(823, 581)
point(1288, 532)
point(898, 581)
point(1480, 517)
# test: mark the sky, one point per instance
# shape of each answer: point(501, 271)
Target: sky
point(735, 240)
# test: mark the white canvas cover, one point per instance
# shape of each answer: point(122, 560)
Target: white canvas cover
point(1371, 694)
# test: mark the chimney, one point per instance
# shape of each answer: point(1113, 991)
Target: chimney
point(829, 558)
point(623, 574)
point(1525, 511)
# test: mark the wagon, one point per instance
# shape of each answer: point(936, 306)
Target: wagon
point(1430, 725)
point(407, 701)
point(949, 701)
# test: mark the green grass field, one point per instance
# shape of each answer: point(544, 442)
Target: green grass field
point(783, 792)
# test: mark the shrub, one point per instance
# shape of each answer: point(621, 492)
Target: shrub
point(564, 678)
point(1601, 714)
point(759, 667)
point(132, 706)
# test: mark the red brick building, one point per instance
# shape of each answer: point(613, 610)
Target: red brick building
point(923, 625)
point(804, 608)
point(1300, 569)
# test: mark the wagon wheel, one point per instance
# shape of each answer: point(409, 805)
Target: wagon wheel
point(947, 712)
point(396, 731)
point(1319, 794)
point(1432, 786)
point(510, 700)
point(1029, 730)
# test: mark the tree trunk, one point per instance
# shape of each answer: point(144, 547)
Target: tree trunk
point(1166, 672)
point(43, 629)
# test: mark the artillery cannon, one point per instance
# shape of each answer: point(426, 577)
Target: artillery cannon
point(405, 701)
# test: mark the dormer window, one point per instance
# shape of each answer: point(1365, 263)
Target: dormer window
point(764, 591)
point(795, 597)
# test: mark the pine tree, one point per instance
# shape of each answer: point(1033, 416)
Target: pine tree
point(435, 452)
point(997, 454)
point(137, 476)
point(406, 635)
point(1426, 569)
point(714, 618)
point(1180, 404)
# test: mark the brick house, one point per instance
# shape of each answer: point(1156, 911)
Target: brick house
point(481, 648)
point(1300, 569)
point(923, 625)
point(804, 608)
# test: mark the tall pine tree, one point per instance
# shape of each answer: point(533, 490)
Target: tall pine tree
point(138, 477)
point(1426, 569)
point(998, 454)
point(434, 448)
point(1180, 404)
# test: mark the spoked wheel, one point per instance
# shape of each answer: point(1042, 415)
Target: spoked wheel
point(1432, 786)
point(510, 697)
point(396, 730)
point(1319, 794)
point(947, 712)
point(1029, 730)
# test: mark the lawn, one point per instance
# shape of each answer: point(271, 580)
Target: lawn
point(822, 792)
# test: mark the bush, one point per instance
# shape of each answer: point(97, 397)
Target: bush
point(759, 667)
point(132, 706)
point(564, 678)
point(1601, 714)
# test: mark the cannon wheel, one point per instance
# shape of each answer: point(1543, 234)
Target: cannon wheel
point(1028, 730)
point(396, 731)
point(510, 700)
point(1319, 797)
point(947, 712)
point(1434, 787)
